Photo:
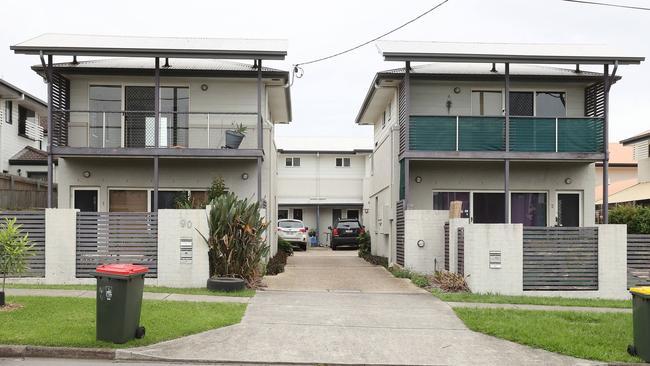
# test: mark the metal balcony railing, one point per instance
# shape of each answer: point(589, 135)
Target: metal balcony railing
point(137, 129)
point(527, 134)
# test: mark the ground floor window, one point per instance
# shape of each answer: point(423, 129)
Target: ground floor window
point(353, 214)
point(122, 200)
point(283, 214)
point(199, 198)
point(442, 201)
point(168, 199)
point(488, 208)
point(85, 200)
point(297, 214)
point(528, 209)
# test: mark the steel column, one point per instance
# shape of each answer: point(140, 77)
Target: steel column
point(605, 206)
point(506, 162)
point(260, 129)
point(156, 175)
point(50, 135)
point(407, 162)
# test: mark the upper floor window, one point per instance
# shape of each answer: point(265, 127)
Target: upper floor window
point(105, 117)
point(522, 104)
point(550, 104)
point(343, 162)
point(292, 162)
point(487, 103)
point(9, 112)
point(25, 115)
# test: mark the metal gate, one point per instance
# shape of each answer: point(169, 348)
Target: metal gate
point(33, 224)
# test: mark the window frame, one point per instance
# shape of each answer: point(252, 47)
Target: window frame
point(97, 189)
point(471, 105)
point(23, 113)
point(9, 112)
point(343, 159)
point(293, 214)
point(293, 160)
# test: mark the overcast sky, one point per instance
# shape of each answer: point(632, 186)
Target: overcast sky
point(327, 98)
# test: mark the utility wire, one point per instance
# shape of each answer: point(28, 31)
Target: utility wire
point(298, 71)
point(606, 4)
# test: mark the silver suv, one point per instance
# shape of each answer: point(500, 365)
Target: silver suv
point(293, 231)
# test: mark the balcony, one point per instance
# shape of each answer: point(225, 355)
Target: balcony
point(541, 137)
point(134, 133)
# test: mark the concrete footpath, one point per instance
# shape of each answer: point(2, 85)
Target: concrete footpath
point(333, 308)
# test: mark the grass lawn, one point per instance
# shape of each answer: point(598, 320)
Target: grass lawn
point(158, 289)
point(61, 321)
point(594, 336)
point(531, 300)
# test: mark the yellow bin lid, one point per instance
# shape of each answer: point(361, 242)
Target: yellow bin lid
point(640, 290)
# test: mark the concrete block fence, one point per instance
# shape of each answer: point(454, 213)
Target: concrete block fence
point(182, 254)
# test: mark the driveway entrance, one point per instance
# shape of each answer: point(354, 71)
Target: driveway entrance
point(333, 308)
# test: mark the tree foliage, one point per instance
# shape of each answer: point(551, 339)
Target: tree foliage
point(15, 248)
point(637, 218)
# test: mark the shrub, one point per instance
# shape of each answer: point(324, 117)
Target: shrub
point(15, 248)
point(636, 217)
point(276, 263)
point(217, 189)
point(235, 243)
point(364, 244)
point(400, 272)
point(420, 280)
point(450, 282)
point(285, 246)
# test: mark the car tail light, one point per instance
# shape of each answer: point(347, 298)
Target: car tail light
point(303, 230)
point(335, 232)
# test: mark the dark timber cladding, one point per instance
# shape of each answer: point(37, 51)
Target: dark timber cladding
point(560, 258)
point(116, 237)
point(446, 246)
point(399, 233)
point(460, 244)
point(638, 260)
point(33, 224)
point(148, 47)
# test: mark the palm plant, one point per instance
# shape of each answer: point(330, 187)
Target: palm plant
point(235, 242)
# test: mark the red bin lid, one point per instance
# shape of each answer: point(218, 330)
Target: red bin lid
point(122, 269)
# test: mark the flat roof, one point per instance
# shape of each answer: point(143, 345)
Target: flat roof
point(138, 46)
point(535, 53)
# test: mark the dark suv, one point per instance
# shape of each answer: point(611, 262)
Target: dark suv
point(346, 232)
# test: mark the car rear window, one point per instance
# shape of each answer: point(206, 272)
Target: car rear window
point(290, 224)
point(348, 225)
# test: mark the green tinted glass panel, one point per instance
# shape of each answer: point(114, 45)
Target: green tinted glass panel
point(481, 134)
point(532, 134)
point(432, 133)
point(580, 135)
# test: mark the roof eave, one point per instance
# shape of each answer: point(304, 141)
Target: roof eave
point(586, 60)
point(634, 139)
point(171, 53)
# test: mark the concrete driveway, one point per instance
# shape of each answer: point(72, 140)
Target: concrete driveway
point(333, 308)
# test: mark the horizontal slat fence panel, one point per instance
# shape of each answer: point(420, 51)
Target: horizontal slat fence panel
point(33, 224)
point(116, 237)
point(638, 260)
point(461, 251)
point(446, 246)
point(560, 258)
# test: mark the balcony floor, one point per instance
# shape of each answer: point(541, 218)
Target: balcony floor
point(162, 152)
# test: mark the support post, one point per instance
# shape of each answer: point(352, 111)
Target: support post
point(156, 175)
point(318, 222)
point(506, 162)
point(407, 87)
point(260, 129)
point(50, 135)
point(605, 206)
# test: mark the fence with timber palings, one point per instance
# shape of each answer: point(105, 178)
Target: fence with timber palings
point(33, 224)
point(560, 258)
point(638, 260)
point(18, 193)
point(116, 237)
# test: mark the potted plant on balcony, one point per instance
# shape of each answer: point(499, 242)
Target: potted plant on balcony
point(15, 248)
point(235, 244)
point(235, 136)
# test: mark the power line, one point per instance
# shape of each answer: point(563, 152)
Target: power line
point(297, 66)
point(607, 4)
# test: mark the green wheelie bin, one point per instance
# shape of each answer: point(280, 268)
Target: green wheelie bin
point(119, 300)
point(640, 323)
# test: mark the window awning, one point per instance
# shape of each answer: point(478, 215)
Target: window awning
point(418, 51)
point(131, 46)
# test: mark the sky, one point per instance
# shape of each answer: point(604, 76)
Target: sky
point(327, 98)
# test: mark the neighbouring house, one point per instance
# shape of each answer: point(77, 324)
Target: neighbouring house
point(622, 173)
point(146, 121)
point(498, 127)
point(22, 133)
point(638, 193)
point(321, 180)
